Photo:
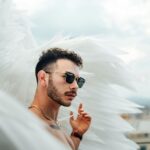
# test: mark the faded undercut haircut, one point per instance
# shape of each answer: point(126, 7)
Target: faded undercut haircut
point(52, 55)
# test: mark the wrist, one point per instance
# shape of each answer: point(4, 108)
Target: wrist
point(77, 135)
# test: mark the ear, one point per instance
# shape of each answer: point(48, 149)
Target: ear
point(42, 78)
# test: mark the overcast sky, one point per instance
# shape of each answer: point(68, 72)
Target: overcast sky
point(121, 23)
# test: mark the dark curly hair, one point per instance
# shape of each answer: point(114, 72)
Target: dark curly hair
point(52, 55)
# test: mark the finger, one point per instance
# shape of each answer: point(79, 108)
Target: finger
point(87, 116)
point(80, 108)
point(71, 115)
point(88, 119)
point(83, 113)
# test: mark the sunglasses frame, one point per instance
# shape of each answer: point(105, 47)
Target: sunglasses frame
point(70, 77)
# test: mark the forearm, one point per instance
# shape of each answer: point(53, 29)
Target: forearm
point(76, 138)
point(76, 142)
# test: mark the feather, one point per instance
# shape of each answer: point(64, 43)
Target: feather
point(21, 130)
point(16, 46)
point(103, 70)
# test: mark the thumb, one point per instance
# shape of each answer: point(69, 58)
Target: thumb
point(71, 116)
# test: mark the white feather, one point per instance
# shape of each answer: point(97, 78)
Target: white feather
point(99, 96)
point(21, 130)
point(102, 69)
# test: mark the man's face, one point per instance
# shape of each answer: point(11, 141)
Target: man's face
point(58, 89)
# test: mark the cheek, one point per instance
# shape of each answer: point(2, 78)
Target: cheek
point(61, 86)
point(60, 82)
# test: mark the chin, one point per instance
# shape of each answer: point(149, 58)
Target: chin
point(66, 104)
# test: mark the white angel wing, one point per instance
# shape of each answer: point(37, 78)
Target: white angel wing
point(104, 71)
point(16, 47)
point(21, 130)
point(99, 96)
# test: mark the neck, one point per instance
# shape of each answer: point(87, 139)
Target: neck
point(48, 108)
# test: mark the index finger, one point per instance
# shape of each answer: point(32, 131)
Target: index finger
point(80, 107)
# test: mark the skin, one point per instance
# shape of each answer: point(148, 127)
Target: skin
point(52, 92)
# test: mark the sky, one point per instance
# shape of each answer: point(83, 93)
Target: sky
point(124, 24)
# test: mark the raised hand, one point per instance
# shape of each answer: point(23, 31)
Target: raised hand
point(82, 122)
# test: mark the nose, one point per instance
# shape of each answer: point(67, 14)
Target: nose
point(74, 85)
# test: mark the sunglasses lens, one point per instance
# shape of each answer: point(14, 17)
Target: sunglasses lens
point(69, 77)
point(80, 82)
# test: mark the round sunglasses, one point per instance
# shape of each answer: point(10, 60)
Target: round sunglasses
point(70, 77)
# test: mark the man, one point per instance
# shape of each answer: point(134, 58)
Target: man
point(57, 74)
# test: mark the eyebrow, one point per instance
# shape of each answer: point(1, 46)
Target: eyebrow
point(73, 73)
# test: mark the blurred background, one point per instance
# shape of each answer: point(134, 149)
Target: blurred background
point(122, 24)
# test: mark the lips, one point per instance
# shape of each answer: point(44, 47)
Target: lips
point(71, 94)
